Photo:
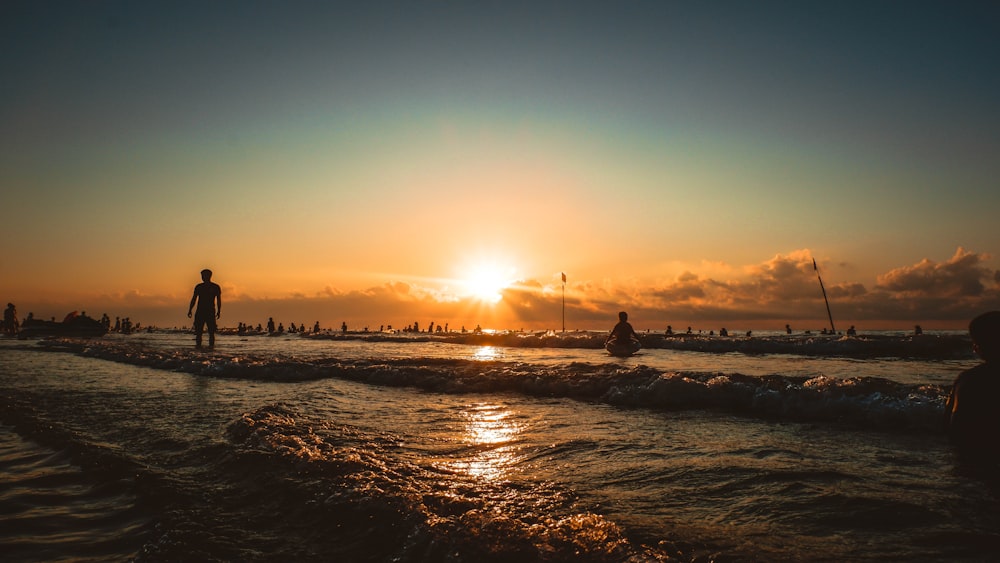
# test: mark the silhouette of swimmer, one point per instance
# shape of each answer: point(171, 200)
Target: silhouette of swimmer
point(623, 331)
point(972, 411)
point(208, 295)
point(10, 324)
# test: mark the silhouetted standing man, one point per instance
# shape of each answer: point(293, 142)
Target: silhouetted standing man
point(207, 295)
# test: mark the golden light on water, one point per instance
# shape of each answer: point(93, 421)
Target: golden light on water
point(491, 430)
point(487, 353)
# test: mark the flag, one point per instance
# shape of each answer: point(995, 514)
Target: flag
point(564, 277)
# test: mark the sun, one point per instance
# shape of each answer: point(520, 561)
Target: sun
point(486, 282)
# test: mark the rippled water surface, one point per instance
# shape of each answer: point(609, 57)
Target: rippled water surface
point(286, 448)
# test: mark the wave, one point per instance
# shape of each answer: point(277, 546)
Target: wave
point(282, 487)
point(871, 402)
point(403, 512)
point(52, 509)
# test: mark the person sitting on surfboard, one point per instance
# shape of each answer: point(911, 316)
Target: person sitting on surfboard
point(623, 331)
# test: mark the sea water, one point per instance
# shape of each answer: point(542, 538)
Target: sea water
point(487, 448)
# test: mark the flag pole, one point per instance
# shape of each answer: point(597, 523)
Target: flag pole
point(823, 289)
point(564, 302)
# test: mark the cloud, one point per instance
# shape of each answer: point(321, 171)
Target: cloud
point(956, 289)
point(786, 286)
point(960, 276)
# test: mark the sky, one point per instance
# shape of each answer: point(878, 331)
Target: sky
point(383, 163)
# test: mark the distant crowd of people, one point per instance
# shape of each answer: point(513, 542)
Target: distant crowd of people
point(272, 328)
point(12, 325)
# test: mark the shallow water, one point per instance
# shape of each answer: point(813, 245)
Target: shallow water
point(288, 448)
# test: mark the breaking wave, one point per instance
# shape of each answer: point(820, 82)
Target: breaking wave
point(875, 403)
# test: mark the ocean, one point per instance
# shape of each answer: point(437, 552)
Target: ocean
point(494, 447)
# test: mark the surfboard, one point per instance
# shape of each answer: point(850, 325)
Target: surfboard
point(622, 350)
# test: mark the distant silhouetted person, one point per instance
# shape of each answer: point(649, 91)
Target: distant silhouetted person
point(670, 330)
point(917, 331)
point(852, 331)
point(972, 408)
point(623, 331)
point(10, 323)
point(208, 296)
point(788, 329)
point(270, 325)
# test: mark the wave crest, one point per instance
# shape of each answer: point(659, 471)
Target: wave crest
point(872, 402)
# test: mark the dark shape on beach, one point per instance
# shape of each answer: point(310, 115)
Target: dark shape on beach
point(207, 295)
point(10, 324)
point(74, 324)
point(622, 341)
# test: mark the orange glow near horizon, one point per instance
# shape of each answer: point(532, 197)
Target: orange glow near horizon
point(494, 296)
point(485, 281)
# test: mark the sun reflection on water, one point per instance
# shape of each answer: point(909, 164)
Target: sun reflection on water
point(491, 430)
point(487, 353)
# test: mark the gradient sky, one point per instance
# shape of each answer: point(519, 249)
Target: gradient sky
point(360, 161)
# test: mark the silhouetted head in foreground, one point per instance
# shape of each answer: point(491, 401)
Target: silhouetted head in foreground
point(623, 316)
point(206, 275)
point(985, 333)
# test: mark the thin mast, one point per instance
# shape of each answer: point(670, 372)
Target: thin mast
point(564, 302)
point(823, 289)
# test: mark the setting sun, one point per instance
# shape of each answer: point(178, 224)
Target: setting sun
point(486, 281)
